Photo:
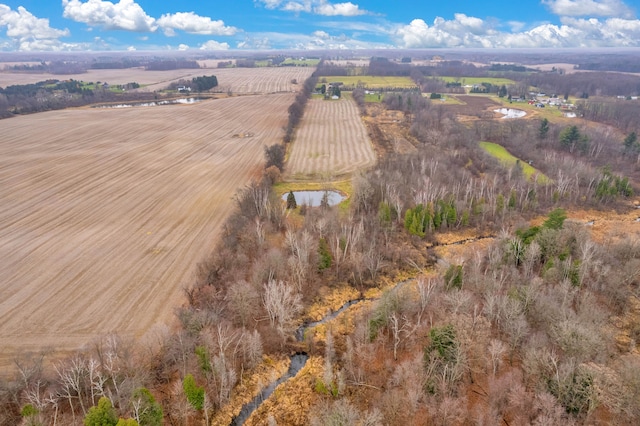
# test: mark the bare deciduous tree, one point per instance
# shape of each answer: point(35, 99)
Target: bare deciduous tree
point(496, 350)
point(282, 304)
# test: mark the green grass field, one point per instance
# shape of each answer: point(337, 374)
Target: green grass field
point(371, 81)
point(376, 98)
point(301, 62)
point(549, 112)
point(508, 160)
point(496, 81)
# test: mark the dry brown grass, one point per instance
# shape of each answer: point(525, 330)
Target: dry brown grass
point(331, 140)
point(267, 372)
point(105, 213)
point(291, 401)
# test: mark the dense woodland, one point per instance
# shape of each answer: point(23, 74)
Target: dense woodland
point(535, 326)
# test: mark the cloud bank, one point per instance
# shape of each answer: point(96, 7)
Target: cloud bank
point(29, 32)
point(470, 32)
point(318, 7)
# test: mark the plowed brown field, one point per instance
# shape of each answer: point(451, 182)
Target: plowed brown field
point(104, 213)
point(332, 140)
point(237, 80)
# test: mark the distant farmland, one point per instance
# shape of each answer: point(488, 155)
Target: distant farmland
point(236, 80)
point(496, 81)
point(331, 140)
point(372, 82)
point(105, 212)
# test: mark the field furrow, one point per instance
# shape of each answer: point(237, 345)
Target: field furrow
point(331, 140)
point(104, 214)
point(237, 80)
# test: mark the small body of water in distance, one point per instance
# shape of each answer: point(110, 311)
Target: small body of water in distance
point(511, 113)
point(314, 198)
point(182, 101)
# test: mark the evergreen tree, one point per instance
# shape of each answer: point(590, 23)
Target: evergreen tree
point(150, 412)
point(127, 422)
point(631, 142)
point(291, 201)
point(194, 393)
point(324, 255)
point(571, 138)
point(543, 130)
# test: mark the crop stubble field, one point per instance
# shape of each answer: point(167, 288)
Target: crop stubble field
point(236, 80)
point(331, 140)
point(104, 213)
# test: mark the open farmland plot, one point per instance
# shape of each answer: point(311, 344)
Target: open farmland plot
point(237, 80)
point(262, 80)
point(104, 213)
point(332, 140)
point(372, 81)
point(111, 76)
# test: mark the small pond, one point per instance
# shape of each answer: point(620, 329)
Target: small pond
point(152, 103)
point(314, 198)
point(510, 112)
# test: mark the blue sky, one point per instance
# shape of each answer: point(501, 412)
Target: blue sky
point(95, 25)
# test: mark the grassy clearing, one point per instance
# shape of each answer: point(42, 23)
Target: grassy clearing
point(372, 81)
point(446, 99)
point(375, 98)
point(509, 160)
point(496, 81)
point(549, 112)
point(301, 62)
point(343, 186)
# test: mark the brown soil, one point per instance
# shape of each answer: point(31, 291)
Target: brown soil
point(105, 212)
point(332, 140)
point(235, 80)
point(477, 106)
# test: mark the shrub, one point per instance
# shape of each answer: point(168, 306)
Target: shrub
point(101, 415)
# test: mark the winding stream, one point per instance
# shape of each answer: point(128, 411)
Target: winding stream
point(299, 359)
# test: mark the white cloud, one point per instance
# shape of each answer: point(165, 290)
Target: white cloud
point(339, 9)
point(297, 7)
point(313, 41)
point(516, 25)
point(255, 43)
point(124, 15)
point(191, 23)
point(464, 31)
point(214, 45)
point(319, 7)
point(21, 24)
point(30, 33)
point(182, 47)
point(605, 8)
